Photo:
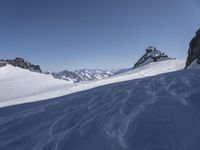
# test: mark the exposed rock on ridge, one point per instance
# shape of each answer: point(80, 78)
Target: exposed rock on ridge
point(194, 50)
point(19, 62)
point(151, 55)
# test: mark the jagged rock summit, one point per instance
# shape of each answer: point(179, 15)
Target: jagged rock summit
point(151, 55)
point(194, 50)
point(20, 62)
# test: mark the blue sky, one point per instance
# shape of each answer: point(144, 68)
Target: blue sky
point(74, 34)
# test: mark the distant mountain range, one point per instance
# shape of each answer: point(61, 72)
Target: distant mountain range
point(151, 55)
point(87, 74)
point(82, 75)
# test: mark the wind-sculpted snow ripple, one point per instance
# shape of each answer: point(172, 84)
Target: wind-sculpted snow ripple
point(154, 113)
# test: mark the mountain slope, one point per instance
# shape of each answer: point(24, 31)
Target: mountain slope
point(154, 113)
point(22, 86)
point(151, 55)
point(17, 83)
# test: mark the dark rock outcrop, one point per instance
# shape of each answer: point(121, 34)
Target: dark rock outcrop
point(2, 63)
point(194, 50)
point(151, 55)
point(19, 62)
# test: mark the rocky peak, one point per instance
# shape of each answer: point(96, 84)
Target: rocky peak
point(2, 63)
point(20, 62)
point(68, 76)
point(194, 50)
point(151, 55)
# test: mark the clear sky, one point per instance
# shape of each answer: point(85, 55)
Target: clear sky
point(74, 34)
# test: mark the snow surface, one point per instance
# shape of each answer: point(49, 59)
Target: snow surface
point(19, 86)
point(194, 65)
point(154, 113)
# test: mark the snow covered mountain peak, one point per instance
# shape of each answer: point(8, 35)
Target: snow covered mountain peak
point(83, 75)
point(151, 55)
point(68, 76)
point(93, 74)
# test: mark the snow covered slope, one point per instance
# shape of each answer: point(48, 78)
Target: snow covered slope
point(155, 113)
point(22, 86)
point(17, 83)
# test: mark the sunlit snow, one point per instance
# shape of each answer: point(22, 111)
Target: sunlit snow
point(22, 86)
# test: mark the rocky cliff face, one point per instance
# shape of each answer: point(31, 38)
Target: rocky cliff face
point(19, 62)
point(194, 50)
point(151, 55)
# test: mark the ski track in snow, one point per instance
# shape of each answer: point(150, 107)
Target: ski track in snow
point(154, 113)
